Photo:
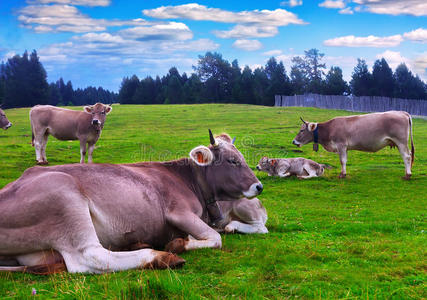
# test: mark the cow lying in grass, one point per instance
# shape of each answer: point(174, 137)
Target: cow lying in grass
point(66, 124)
point(369, 133)
point(283, 167)
point(84, 214)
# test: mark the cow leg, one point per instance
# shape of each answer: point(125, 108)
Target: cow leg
point(188, 222)
point(252, 217)
point(406, 156)
point(284, 174)
point(43, 148)
point(82, 151)
point(343, 159)
point(310, 171)
point(90, 152)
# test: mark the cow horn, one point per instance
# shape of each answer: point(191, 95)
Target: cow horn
point(303, 120)
point(234, 139)
point(211, 137)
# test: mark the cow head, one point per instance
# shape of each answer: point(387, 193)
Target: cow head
point(305, 135)
point(266, 165)
point(4, 122)
point(99, 112)
point(225, 169)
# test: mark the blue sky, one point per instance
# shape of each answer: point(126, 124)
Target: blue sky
point(98, 42)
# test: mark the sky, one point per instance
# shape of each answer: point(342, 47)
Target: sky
point(98, 42)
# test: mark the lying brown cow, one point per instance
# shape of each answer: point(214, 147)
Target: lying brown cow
point(369, 133)
point(4, 122)
point(243, 215)
point(301, 167)
point(83, 213)
point(67, 124)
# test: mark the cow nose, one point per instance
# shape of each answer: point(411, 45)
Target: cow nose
point(95, 122)
point(259, 188)
point(9, 125)
point(293, 142)
point(258, 168)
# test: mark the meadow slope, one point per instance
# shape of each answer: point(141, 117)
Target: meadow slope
point(362, 237)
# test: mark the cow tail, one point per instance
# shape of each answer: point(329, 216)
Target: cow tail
point(412, 142)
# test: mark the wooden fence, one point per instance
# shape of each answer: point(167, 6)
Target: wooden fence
point(352, 103)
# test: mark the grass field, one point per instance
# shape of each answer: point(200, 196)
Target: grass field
point(362, 237)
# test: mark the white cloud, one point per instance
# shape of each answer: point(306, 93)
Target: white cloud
point(394, 58)
point(291, 3)
point(272, 53)
point(170, 31)
point(243, 31)
point(66, 18)
point(420, 65)
point(394, 7)
point(194, 11)
point(247, 45)
point(73, 2)
point(418, 35)
point(332, 4)
point(346, 11)
point(369, 41)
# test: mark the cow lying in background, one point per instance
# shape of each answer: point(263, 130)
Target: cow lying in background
point(4, 122)
point(369, 133)
point(84, 213)
point(66, 124)
point(283, 167)
point(243, 216)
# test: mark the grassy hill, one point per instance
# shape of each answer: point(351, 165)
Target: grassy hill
point(362, 237)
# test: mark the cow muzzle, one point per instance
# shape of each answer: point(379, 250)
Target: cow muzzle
point(296, 143)
point(8, 125)
point(96, 122)
point(254, 190)
point(258, 167)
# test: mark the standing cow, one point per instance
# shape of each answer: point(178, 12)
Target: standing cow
point(4, 122)
point(67, 124)
point(84, 213)
point(369, 133)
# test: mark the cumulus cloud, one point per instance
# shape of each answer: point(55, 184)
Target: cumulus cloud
point(418, 35)
point(66, 18)
point(332, 4)
point(394, 58)
point(273, 53)
point(73, 2)
point(394, 7)
point(247, 45)
point(369, 41)
point(420, 65)
point(170, 31)
point(346, 11)
point(291, 3)
point(241, 31)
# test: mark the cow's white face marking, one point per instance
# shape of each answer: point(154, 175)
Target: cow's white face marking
point(253, 191)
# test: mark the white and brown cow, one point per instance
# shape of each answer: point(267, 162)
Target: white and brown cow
point(66, 124)
point(4, 122)
point(86, 213)
point(369, 133)
point(301, 167)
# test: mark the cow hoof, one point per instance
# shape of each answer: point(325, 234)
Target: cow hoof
point(42, 163)
point(229, 229)
point(342, 176)
point(407, 177)
point(176, 246)
point(165, 260)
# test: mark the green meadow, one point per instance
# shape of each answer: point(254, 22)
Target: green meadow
point(359, 238)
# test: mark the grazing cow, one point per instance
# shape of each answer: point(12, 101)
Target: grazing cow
point(4, 122)
point(67, 124)
point(369, 133)
point(76, 212)
point(243, 215)
point(283, 167)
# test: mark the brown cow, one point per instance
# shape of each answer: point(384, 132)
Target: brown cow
point(369, 133)
point(4, 122)
point(67, 124)
point(301, 167)
point(76, 212)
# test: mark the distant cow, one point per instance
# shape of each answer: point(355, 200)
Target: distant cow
point(4, 122)
point(369, 133)
point(67, 124)
point(84, 213)
point(283, 167)
point(243, 215)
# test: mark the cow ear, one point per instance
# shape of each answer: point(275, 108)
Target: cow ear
point(88, 109)
point(201, 155)
point(108, 109)
point(273, 162)
point(312, 126)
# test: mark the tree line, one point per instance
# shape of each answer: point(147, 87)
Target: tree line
point(23, 82)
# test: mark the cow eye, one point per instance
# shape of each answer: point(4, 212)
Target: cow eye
point(102, 112)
